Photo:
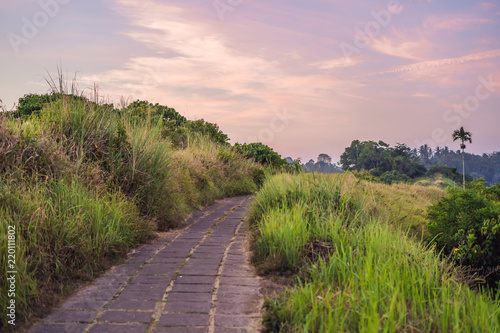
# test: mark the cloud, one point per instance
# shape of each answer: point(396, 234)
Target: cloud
point(423, 65)
point(423, 95)
point(190, 62)
point(336, 63)
point(434, 23)
point(487, 6)
point(183, 50)
point(406, 48)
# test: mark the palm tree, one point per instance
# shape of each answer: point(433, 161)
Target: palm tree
point(464, 136)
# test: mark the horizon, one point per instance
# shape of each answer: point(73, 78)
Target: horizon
point(298, 76)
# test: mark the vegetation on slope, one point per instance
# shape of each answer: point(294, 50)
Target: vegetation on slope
point(82, 183)
point(465, 225)
point(485, 166)
point(359, 270)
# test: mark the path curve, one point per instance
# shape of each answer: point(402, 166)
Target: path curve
point(196, 279)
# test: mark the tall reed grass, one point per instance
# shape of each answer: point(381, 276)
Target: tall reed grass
point(84, 183)
point(360, 272)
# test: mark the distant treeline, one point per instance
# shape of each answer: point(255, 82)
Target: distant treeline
point(486, 166)
point(401, 163)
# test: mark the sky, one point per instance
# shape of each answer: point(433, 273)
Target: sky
point(302, 76)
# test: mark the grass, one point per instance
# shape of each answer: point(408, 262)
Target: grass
point(64, 232)
point(359, 270)
point(83, 183)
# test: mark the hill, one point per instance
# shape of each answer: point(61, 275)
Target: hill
point(359, 267)
point(82, 183)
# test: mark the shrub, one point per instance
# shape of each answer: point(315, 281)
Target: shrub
point(33, 103)
point(261, 153)
point(465, 225)
point(393, 176)
point(448, 172)
point(209, 129)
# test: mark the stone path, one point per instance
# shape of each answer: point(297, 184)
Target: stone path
point(197, 279)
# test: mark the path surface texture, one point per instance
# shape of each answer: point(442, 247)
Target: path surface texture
point(195, 279)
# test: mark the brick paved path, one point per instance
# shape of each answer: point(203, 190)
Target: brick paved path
point(192, 280)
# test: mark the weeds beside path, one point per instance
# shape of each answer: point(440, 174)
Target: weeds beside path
point(83, 183)
point(359, 270)
point(196, 279)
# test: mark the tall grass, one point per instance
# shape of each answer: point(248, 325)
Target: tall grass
point(83, 183)
point(64, 232)
point(359, 271)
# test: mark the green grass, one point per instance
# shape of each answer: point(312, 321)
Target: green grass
point(360, 271)
point(84, 183)
point(64, 232)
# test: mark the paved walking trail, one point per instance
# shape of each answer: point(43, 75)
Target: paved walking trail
point(197, 279)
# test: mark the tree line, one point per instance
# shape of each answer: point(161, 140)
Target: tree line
point(485, 166)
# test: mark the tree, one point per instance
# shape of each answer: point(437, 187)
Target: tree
point(349, 159)
point(425, 153)
point(463, 136)
point(261, 153)
point(324, 158)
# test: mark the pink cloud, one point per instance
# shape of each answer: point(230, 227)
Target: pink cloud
point(487, 6)
point(424, 65)
point(435, 23)
point(408, 49)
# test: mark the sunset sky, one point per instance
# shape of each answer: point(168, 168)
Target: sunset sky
point(302, 76)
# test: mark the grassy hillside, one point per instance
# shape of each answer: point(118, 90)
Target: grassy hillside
point(351, 243)
point(83, 183)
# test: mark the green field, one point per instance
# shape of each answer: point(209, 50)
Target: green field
point(357, 248)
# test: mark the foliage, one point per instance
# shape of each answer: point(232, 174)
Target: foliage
point(463, 136)
point(261, 153)
point(145, 110)
point(448, 172)
point(84, 182)
point(175, 126)
point(379, 158)
point(357, 272)
point(208, 129)
point(393, 176)
point(33, 103)
point(485, 166)
point(321, 166)
point(324, 158)
point(465, 225)
point(64, 233)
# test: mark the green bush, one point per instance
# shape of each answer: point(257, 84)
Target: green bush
point(209, 129)
point(393, 176)
point(33, 103)
point(448, 172)
point(465, 225)
point(261, 153)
